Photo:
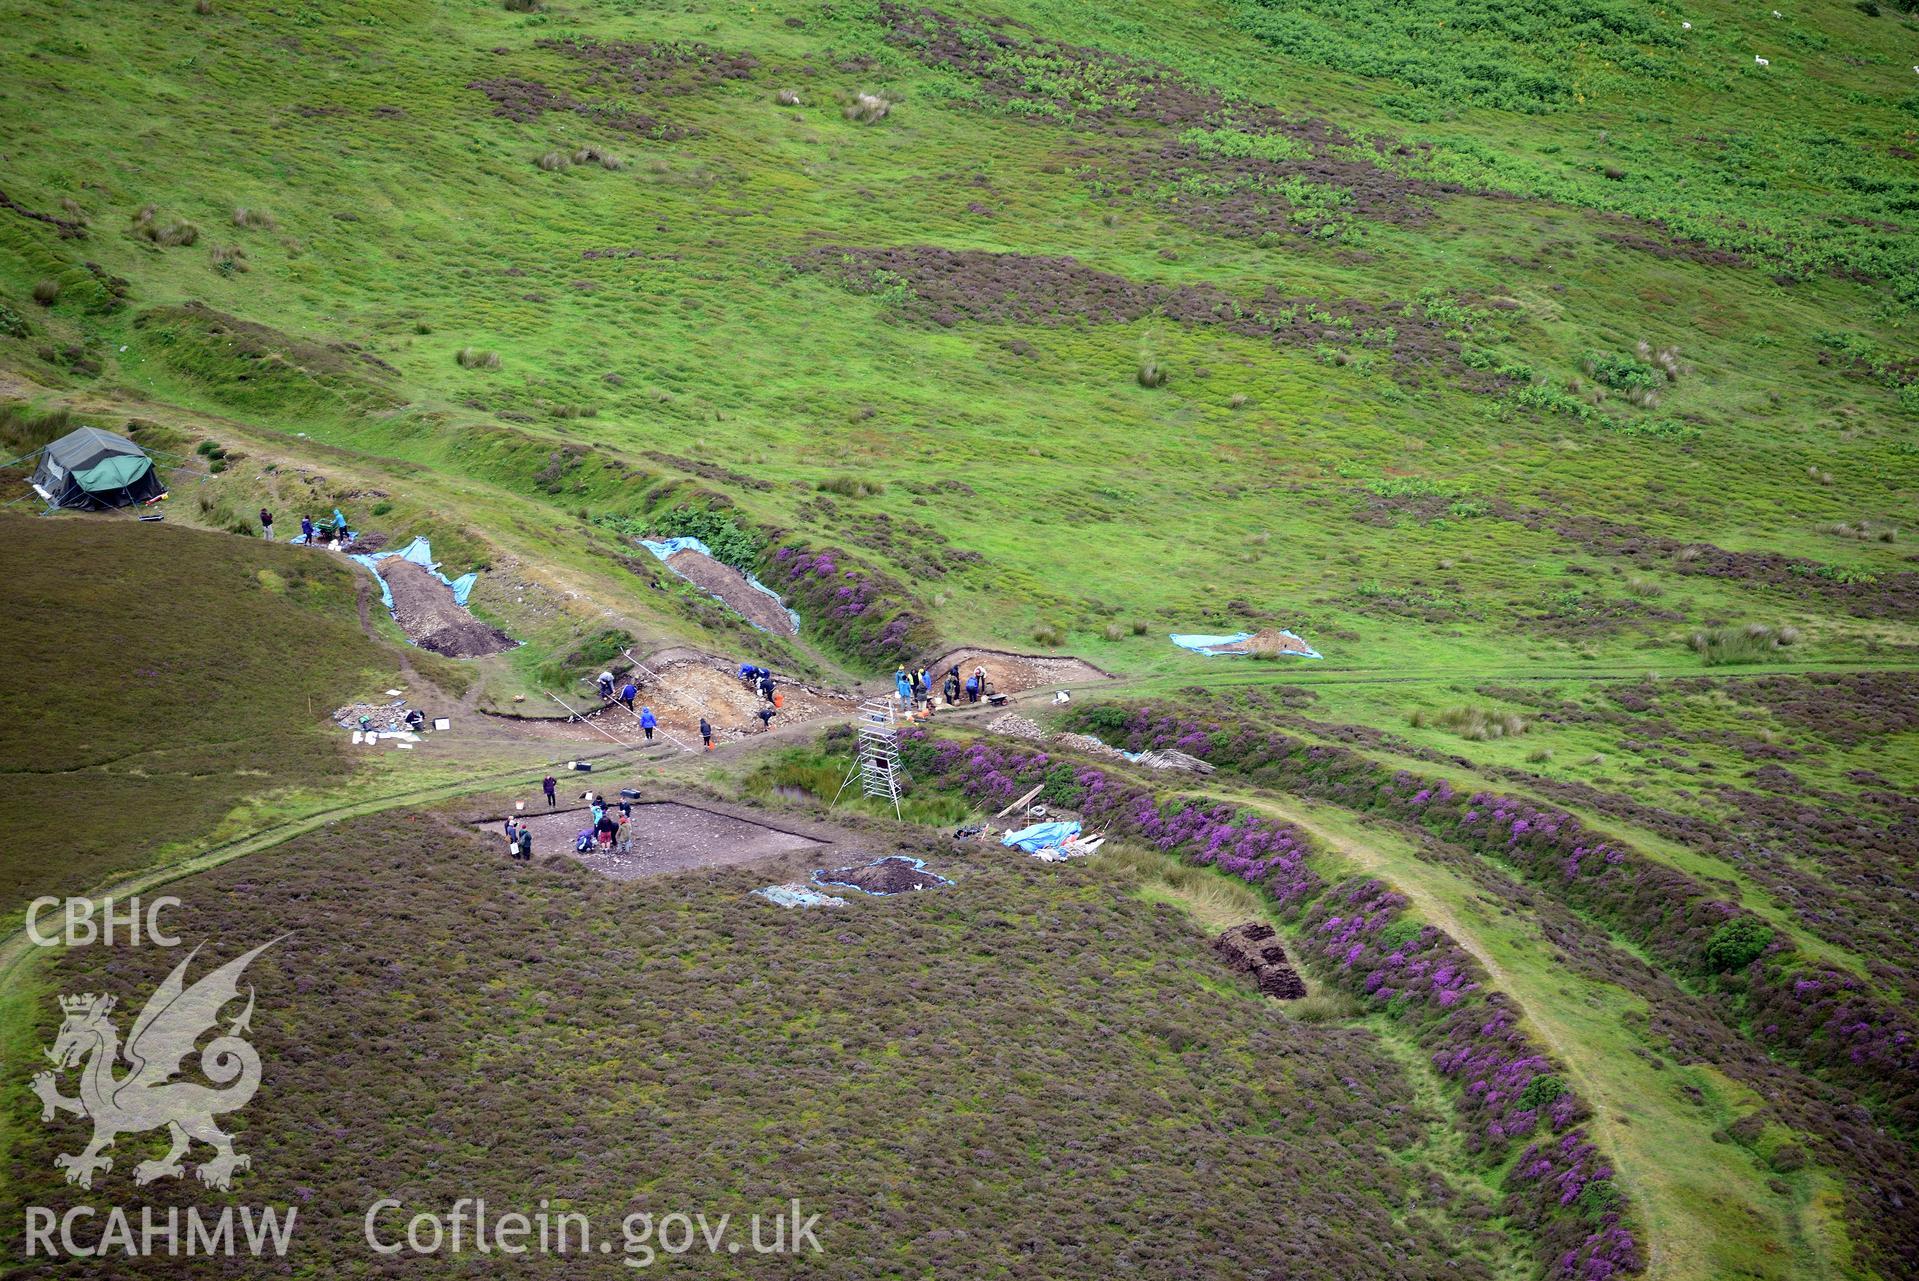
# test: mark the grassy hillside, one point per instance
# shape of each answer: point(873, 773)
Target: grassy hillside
point(157, 680)
point(1351, 340)
point(1549, 367)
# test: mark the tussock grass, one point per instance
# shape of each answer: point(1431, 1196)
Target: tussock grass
point(1049, 635)
point(1476, 724)
point(477, 358)
point(868, 108)
point(1747, 643)
point(46, 292)
point(851, 487)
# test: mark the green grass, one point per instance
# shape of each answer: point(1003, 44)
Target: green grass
point(387, 304)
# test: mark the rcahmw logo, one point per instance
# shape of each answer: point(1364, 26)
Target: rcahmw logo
point(149, 1096)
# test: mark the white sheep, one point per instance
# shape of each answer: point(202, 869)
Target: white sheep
point(1777, 14)
point(1761, 61)
point(1685, 26)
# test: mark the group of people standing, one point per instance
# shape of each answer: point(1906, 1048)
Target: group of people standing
point(309, 532)
point(608, 832)
point(915, 688)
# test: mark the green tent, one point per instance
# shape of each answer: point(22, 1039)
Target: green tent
point(90, 468)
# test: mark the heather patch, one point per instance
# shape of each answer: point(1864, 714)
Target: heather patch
point(1358, 936)
point(1870, 596)
point(1220, 166)
point(646, 71)
point(963, 1064)
point(858, 611)
point(943, 287)
point(1656, 906)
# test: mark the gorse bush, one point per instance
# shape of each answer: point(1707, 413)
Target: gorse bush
point(1621, 373)
point(1737, 944)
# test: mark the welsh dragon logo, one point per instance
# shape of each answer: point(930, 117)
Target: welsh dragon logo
point(148, 1097)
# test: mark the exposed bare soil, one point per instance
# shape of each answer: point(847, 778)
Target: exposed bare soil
point(730, 585)
point(1012, 673)
point(689, 686)
point(667, 837)
point(432, 619)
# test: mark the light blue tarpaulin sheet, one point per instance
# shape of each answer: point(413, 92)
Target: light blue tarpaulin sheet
point(793, 894)
point(420, 553)
point(1040, 835)
point(664, 547)
point(1216, 645)
point(337, 527)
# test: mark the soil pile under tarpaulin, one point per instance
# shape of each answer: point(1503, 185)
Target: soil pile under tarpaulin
point(730, 585)
point(895, 875)
point(1012, 673)
point(1268, 641)
point(426, 611)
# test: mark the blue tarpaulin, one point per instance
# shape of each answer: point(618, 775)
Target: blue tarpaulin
point(793, 894)
point(1216, 645)
point(420, 553)
point(665, 547)
point(1041, 835)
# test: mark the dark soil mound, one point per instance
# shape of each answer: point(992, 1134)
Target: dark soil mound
point(1254, 949)
point(888, 876)
point(432, 619)
point(730, 585)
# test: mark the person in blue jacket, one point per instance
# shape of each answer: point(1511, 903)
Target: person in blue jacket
point(306, 530)
point(648, 722)
point(903, 686)
point(628, 693)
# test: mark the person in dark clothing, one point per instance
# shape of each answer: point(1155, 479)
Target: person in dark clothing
point(952, 690)
point(766, 688)
point(551, 786)
point(766, 718)
point(972, 689)
point(415, 719)
point(524, 849)
point(266, 524)
point(606, 829)
point(306, 530)
point(628, 693)
point(626, 808)
point(706, 733)
point(512, 836)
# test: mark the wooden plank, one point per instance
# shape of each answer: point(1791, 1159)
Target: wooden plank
point(1023, 800)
